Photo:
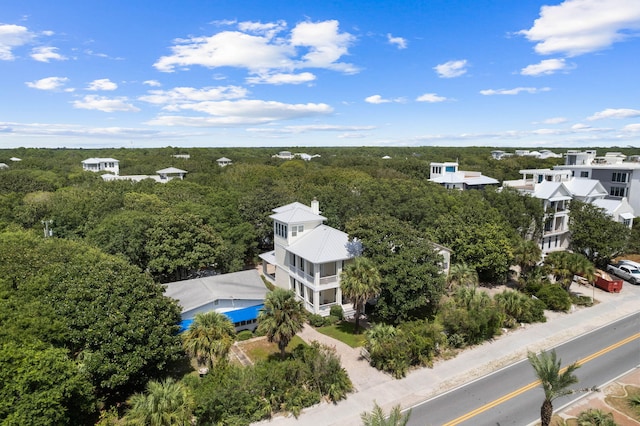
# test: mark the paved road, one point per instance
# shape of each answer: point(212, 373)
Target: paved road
point(509, 396)
point(471, 364)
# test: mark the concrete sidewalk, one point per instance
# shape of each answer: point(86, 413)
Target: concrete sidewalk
point(372, 385)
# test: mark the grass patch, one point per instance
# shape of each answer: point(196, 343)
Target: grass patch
point(623, 403)
point(262, 350)
point(345, 332)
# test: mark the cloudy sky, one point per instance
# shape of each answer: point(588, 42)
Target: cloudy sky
point(525, 73)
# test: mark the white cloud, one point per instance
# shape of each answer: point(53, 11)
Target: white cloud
point(181, 95)
point(376, 99)
point(615, 113)
point(101, 103)
point(152, 83)
point(431, 98)
point(514, 91)
point(258, 49)
point(545, 67)
point(102, 84)
point(12, 36)
point(282, 78)
point(326, 45)
point(555, 120)
point(242, 112)
point(635, 128)
point(309, 128)
point(576, 27)
point(398, 41)
point(228, 48)
point(49, 83)
point(580, 126)
point(45, 54)
point(270, 29)
point(451, 69)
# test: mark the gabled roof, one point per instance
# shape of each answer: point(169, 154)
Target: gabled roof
point(611, 206)
point(552, 191)
point(322, 244)
point(100, 160)
point(223, 159)
point(191, 294)
point(585, 187)
point(170, 170)
point(296, 213)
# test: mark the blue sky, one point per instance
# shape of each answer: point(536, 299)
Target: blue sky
point(517, 73)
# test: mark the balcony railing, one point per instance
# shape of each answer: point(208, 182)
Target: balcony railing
point(302, 274)
point(329, 280)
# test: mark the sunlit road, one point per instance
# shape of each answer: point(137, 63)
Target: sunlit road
point(511, 397)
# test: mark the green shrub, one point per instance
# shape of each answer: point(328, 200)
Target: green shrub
point(596, 417)
point(554, 297)
point(519, 307)
point(472, 314)
point(580, 300)
point(425, 340)
point(534, 311)
point(456, 340)
point(244, 335)
point(331, 320)
point(337, 311)
point(386, 345)
point(317, 320)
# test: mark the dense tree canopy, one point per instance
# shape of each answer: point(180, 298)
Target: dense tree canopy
point(411, 282)
point(594, 234)
point(112, 320)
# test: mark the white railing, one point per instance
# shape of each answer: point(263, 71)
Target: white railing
point(328, 280)
point(302, 274)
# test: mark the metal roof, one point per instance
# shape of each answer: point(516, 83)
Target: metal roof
point(191, 294)
point(322, 244)
point(296, 213)
point(170, 170)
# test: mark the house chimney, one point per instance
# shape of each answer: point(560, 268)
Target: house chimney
point(315, 206)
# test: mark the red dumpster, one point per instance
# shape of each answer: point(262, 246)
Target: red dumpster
point(606, 282)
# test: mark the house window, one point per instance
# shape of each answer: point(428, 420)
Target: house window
point(627, 223)
point(436, 170)
point(584, 174)
point(450, 169)
point(619, 177)
point(281, 230)
point(295, 229)
point(618, 191)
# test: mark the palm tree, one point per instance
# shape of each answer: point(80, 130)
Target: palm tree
point(378, 334)
point(555, 382)
point(563, 265)
point(282, 317)
point(165, 403)
point(461, 274)
point(526, 255)
point(377, 417)
point(209, 338)
point(595, 417)
point(360, 281)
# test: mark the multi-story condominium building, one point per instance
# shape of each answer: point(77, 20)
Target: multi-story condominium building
point(620, 178)
point(556, 188)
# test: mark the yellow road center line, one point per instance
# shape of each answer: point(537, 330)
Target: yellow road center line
point(532, 385)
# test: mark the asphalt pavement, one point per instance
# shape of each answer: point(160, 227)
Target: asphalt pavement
point(421, 384)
